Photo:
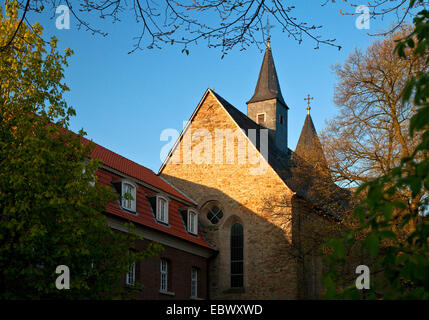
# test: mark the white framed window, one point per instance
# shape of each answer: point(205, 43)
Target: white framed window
point(130, 278)
point(162, 209)
point(164, 275)
point(129, 196)
point(192, 221)
point(194, 282)
point(260, 118)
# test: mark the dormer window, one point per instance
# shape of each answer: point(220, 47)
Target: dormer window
point(128, 196)
point(192, 221)
point(162, 209)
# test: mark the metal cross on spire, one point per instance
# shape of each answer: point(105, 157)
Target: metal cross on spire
point(268, 27)
point(308, 102)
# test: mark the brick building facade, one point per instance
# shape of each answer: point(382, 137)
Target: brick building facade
point(180, 271)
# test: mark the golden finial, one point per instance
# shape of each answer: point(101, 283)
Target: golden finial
point(268, 27)
point(308, 103)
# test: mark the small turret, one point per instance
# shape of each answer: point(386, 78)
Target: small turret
point(267, 106)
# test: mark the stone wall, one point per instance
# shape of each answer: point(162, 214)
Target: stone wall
point(270, 272)
point(273, 111)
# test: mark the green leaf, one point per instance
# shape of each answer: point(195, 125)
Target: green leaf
point(388, 234)
point(372, 243)
point(387, 210)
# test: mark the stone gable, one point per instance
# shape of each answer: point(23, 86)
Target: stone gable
point(270, 271)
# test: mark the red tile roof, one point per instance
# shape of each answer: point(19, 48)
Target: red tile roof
point(132, 169)
point(144, 214)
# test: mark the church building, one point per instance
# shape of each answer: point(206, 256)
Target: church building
point(240, 172)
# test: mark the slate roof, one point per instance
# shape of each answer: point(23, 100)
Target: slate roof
point(239, 117)
point(309, 146)
point(267, 86)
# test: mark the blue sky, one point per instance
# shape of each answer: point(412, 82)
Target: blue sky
point(124, 101)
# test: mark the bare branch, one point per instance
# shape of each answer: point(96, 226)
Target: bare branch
point(222, 24)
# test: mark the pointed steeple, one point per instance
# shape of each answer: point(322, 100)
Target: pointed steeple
point(309, 147)
point(267, 86)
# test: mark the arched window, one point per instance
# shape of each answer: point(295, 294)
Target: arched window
point(192, 221)
point(162, 209)
point(237, 255)
point(128, 195)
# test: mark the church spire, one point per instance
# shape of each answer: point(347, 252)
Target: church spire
point(267, 107)
point(309, 147)
point(267, 86)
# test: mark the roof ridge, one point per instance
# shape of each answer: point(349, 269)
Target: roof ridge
point(220, 98)
point(133, 169)
point(136, 163)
